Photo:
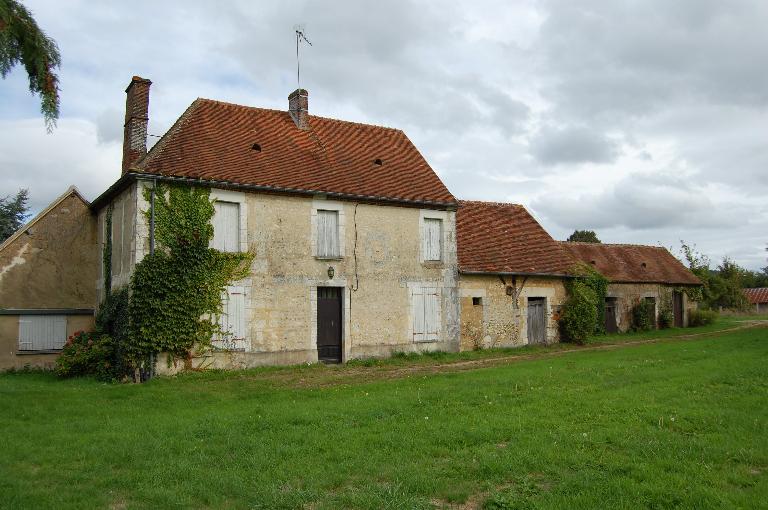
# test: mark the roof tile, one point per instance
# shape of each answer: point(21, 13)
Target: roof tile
point(758, 295)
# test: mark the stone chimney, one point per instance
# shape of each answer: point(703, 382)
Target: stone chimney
point(136, 120)
point(298, 107)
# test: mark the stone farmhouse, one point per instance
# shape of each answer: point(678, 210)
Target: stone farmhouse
point(637, 273)
point(360, 249)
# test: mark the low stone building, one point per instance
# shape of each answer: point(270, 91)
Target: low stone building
point(47, 269)
point(353, 232)
point(511, 277)
point(758, 299)
point(638, 273)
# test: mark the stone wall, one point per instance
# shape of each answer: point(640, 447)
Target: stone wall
point(498, 319)
point(629, 294)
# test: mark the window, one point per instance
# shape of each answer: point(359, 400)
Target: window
point(430, 239)
point(425, 301)
point(42, 332)
point(226, 226)
point(328, 234)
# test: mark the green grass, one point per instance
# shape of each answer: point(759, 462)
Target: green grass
point(670, 424)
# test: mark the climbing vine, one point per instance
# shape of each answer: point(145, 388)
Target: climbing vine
point(593, 279)
point(176, 291)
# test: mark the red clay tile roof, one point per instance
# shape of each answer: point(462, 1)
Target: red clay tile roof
point(505, 238)
point(624, 263)
point(758, 295)
point(213, 141)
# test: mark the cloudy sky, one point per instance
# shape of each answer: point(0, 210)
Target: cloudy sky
point(644, 121)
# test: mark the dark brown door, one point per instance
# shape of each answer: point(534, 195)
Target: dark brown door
point(610, 316)
point(677, 308)
point(329, 324)
point(537, 326)
point(651, 311)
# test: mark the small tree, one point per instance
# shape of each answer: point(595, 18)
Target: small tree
point(13, 213)
point(22, 41)
point(583, 236)
point(579, 313)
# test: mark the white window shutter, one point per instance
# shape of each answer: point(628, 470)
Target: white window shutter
point(432, 313)
point(42, 332)
point(327, 233)
point(431, 239)
point(231, 321)
point(417, 302)
point(226, 226)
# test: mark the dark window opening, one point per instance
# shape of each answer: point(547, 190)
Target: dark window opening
point(256, 147)
point(477, 301)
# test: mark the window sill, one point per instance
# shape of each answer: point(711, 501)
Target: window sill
point(42, 351)
point(317, 257)
point(432, 263)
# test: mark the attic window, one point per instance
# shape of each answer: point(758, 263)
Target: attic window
point(256, 147)
point(378, 161)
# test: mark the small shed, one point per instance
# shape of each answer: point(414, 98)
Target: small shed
point(758, 298)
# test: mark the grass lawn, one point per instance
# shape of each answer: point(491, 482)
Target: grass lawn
point(675, 423)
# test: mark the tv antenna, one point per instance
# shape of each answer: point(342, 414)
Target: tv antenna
point(301, 36)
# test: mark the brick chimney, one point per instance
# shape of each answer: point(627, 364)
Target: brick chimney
point(136, 120)
point(298, 107)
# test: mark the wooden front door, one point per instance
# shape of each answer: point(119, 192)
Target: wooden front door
point(677, 308)
point(329, 331)
point(537, 325)
point(610, 316)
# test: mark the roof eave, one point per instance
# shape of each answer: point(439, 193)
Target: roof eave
point(513, 273)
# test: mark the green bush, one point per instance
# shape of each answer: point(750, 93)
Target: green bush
point(701, 317)
point(641, 316)
point(666, 318)
point(579, 313)
point(87, 354)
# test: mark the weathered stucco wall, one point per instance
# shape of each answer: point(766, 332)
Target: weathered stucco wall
point(52, 265)
point(629, 294)
point(380, 263)
point(500, 320)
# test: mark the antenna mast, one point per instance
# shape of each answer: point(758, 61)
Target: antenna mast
point(300, 36)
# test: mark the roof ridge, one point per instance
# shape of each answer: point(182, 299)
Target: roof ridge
point(487, 202)
point(275, 110)
point(587, 243)
point(157, 149)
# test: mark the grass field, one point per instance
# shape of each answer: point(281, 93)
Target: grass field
point(678, 423)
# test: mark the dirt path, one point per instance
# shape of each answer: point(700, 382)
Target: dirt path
point(316, 377)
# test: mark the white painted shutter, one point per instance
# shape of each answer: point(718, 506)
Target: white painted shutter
point(226, 226)
point(432, 313)
point(417, 302)
point(327, 233)
point(42, 332)
point(232, 318)
point(431, 239)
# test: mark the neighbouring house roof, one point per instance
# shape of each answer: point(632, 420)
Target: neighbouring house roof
point(630, 263)
point(498, 238)
point(758, 295)
point(241, 145)
point(72, 190)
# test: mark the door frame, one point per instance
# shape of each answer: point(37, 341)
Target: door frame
point(543, 300)
point(345, 315)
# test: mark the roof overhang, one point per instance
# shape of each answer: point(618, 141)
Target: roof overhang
point(129, 177)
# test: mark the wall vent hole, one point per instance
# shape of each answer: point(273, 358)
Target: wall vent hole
point(477, 301)
point(378, 161)
point(256, 147)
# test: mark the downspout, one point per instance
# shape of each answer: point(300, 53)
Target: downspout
point(152, 252)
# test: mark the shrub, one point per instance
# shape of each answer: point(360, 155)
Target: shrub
point(579, 313)
point(87, 354)
point(666, 318)
point(641, 316)
point(701, 318)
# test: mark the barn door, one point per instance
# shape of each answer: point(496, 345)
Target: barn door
point(610, 316)
point(329, 332)
point(537, 330)
point(677, 308)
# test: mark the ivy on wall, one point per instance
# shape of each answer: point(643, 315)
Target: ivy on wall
point(593, 279)
point(106, 256)
point(176, 291)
